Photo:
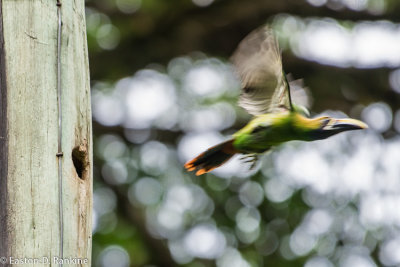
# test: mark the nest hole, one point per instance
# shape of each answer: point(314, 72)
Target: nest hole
point(79, 158)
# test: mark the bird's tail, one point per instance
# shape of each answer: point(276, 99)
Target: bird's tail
point(212, 158)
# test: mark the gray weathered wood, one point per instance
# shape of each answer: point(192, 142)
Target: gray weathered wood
point(29, 195)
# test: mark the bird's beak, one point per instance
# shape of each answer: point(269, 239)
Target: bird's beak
point(341, 125)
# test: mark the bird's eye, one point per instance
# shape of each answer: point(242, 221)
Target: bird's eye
point(325, 121)
point(260, 128)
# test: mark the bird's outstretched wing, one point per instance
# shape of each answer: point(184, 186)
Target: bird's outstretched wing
point(258, 63)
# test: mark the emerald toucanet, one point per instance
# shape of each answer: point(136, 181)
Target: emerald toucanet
point(266, 95)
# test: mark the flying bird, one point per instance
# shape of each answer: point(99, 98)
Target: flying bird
point(266, 94)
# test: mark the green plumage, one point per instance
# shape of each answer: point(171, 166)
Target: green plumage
point(268, 130)
point(266, 94)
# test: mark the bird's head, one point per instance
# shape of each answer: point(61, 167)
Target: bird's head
point(324, 127)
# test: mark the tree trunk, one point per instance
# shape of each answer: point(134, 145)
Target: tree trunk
point(29, 127)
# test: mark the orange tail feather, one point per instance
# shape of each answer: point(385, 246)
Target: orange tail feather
point(212, 158)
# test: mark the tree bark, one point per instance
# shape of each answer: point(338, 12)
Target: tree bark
point(29, 181)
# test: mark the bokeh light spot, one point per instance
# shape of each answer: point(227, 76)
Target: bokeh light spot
point(203, 3)
point(128, 6)
point(108, 36)
point(390, 252)
point(277, 190)
point(150, 95)
point(104, 200)
point(378, 116)
point(251, 194)
point(146, 190)
point(107, 108)
point(317, 2)
point(318, 262)
point(394, 80)
point(232, 258)
point(115, 256)
point(205, 241)
point(301, 243)
point(248, 219)
point(115, 172)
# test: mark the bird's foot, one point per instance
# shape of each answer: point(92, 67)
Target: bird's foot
point(250, 158)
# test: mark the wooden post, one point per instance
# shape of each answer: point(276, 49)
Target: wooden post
point(29, 180)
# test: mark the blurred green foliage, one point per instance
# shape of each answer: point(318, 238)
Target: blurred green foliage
point(163, 90)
